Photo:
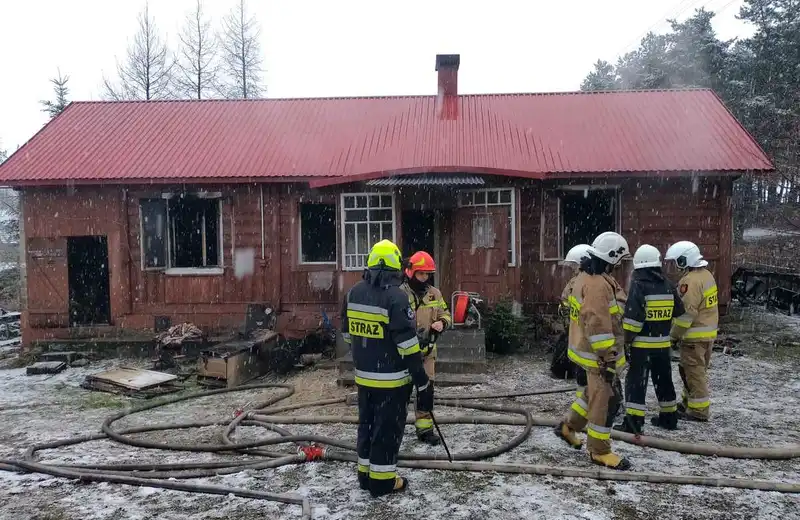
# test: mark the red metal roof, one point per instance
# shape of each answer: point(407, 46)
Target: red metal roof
point(332, 140)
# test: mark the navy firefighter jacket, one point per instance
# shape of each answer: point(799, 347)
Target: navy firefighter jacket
point(381, 328)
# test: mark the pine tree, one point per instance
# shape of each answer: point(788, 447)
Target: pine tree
point(603, 77)
point(53, 108)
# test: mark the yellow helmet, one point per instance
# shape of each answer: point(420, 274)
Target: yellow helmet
point(385, 252)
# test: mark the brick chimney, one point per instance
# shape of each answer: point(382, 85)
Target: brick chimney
point(447, 67)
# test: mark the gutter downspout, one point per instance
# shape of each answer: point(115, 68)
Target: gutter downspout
point(261, 199)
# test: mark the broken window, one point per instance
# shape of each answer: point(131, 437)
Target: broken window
point(585, 214)
point(154, 233)
point(494, 197)
point(482, 232)
point(367, 218)
point(182, 232)
point(317, 233)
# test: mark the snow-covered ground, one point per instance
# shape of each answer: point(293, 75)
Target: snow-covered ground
point(754, 404)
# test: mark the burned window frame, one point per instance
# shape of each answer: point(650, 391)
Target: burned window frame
point(344, 209)
point(559, 193)
point(467, 199)
point(167, 267)
point(334, 256)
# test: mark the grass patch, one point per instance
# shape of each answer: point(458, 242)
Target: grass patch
point(96, 400)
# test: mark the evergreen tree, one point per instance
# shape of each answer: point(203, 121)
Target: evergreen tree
point(61, 92)
point(603, 77)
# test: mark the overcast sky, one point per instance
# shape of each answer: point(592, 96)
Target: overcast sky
point(339, 47)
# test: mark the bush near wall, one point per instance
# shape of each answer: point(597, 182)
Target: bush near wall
point(507, 333)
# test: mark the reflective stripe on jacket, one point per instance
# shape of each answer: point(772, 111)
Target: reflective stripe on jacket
point(652, 304)
point(430, 308)
point(700, 319)
point(596, 336)
point(382, 333)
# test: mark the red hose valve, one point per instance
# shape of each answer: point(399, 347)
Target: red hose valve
point(312, 452)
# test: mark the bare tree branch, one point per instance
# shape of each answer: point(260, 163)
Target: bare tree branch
point(241, 54)
point(147, 70)
point(197, 67)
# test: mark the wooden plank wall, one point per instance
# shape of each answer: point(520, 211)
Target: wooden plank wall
point(655, 212)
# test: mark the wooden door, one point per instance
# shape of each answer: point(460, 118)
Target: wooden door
point(481, 249)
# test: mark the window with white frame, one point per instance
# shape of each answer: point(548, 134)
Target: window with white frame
point(495, 197)
point(182, 232)
point(367, 218)
point(317, 233)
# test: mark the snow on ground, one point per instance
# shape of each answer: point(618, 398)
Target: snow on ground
point(754, 404)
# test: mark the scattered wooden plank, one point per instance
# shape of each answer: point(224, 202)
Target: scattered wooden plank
point(45, 367)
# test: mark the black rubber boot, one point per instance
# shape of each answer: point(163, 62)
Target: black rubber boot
point(668, 421)
point(400, 485)
point(363, 481)
point(631, 424)
point(428, 437)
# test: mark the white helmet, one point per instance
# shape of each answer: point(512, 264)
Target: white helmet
point(646, 256)
point(686, 254)
point(577, 254)
point(610, 247)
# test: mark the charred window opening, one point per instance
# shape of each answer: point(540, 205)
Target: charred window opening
point(181, 232)
point(367, 218)
point(154, 233)
point(585, 214)
point(317, 233)
point(194, 232)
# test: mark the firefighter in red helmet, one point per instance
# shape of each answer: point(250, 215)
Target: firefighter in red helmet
point(433, 318)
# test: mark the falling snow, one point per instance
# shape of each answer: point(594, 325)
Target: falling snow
point(754, 404)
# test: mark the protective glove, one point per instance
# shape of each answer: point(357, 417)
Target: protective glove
point(609, 373)
point(425, 397)
point(628, 351)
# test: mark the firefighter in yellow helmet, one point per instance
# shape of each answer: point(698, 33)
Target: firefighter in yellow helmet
point(696, 329)
point(380, 325)
point(596, 343)
point(433, 318)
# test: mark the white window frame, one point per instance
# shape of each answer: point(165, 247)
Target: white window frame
point(300, 234)
point(343, 220)
point(512, 212)
point(184, 271)
point(588, 187)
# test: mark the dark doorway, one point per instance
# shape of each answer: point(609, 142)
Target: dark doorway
point(419, 232)
point(87, 266)
point(586, 214)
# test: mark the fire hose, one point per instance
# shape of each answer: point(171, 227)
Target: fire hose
point(319, 448)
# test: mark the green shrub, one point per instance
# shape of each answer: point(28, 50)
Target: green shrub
point(505, 332)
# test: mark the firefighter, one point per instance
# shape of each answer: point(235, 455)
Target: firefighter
point(432, 319)
point(652, 303)
point(561, 367)
point(596, 345)
point(380, 326)
point(696, 329)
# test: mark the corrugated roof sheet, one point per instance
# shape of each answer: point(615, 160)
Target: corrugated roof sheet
point(339, 139)
point(440, 179)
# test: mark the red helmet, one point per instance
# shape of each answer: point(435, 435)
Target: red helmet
point(420, 262)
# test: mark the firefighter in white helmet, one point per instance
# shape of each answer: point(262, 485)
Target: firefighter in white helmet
point(561, 366)
point(696, 329)
point(652, 303)
point(596, 345)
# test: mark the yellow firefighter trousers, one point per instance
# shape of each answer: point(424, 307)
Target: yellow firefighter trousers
point(695, 359)
point(424, 421)
point(599, 395)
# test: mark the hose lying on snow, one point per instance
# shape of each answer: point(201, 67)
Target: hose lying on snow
point(158, 475)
